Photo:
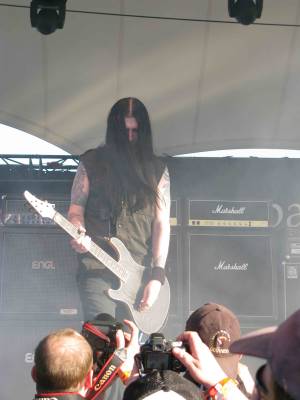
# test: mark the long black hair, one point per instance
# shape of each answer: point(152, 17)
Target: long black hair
point(133, 175)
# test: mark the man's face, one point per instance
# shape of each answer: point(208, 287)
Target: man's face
point(264, 389)
point(132, 128)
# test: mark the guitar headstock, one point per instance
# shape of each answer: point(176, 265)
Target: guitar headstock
point(44, 208)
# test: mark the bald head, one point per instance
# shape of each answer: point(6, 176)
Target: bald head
point(63, 359)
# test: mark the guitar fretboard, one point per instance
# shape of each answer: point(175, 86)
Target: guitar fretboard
point(95, 250)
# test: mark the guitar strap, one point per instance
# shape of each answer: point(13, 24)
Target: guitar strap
point(107, 374)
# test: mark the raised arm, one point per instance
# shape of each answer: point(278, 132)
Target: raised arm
point(79, 196)
point(204, 368)
point(160, 241)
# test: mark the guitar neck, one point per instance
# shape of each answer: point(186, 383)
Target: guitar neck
point(95, 250)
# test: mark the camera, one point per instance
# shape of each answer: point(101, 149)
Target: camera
point(156, 354)
point(101, 335)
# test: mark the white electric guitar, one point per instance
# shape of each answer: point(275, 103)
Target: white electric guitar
point(130, 274)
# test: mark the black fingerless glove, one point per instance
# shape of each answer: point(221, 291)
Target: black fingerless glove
point(158, 274)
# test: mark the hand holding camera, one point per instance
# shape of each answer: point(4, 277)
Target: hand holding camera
point(106, 337)
point(199, 361)
point(113, 350)
point(156, 354)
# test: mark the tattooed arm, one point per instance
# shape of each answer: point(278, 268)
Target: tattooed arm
point(160, 238)
point(79, 196)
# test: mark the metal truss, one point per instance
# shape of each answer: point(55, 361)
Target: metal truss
point(18, 167)
point(41, 162)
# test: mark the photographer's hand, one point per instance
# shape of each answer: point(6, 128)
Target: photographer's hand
point(200, 362)
point(132, 338)
point(203, 366)
point(128, 370)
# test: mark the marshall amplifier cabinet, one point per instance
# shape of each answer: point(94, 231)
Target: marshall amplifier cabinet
point(173, 269)
point(38, 275)
point(174, 213)
point(291, 287)
point(228, 214)
point(235, 270)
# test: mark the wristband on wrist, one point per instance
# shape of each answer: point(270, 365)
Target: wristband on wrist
point(221, 389)
point(124, 375)
point(158, 274)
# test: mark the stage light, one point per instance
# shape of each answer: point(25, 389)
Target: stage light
point(47, 15)
point(245, 11)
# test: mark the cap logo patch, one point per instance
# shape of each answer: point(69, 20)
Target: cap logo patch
point(219, 342)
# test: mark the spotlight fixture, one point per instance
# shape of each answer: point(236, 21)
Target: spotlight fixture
point(245, 11)
point(47, 15)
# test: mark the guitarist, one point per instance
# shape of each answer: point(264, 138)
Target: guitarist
point(121, 189)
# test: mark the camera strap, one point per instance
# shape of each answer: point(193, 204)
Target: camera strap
point(107, 374)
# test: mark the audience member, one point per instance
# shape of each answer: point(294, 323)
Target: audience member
point(278, 379)
point(162, 385)
point(218, 327)
point(63, 365)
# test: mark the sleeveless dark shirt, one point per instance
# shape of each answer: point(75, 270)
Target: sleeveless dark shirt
point(133, 228)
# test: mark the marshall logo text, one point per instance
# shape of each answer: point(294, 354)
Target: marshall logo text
point(228, 210)
point(224, 266)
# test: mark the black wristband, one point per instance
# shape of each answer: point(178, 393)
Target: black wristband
point(158, 274)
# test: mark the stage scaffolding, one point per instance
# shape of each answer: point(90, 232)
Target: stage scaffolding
point(38, 163)
point(46, 173)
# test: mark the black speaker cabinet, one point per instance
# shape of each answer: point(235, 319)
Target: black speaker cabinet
point(235, 270)
point(173, 270)
point(291, 287)
point(38, 275)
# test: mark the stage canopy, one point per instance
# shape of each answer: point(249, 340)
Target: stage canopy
point(208, 82)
